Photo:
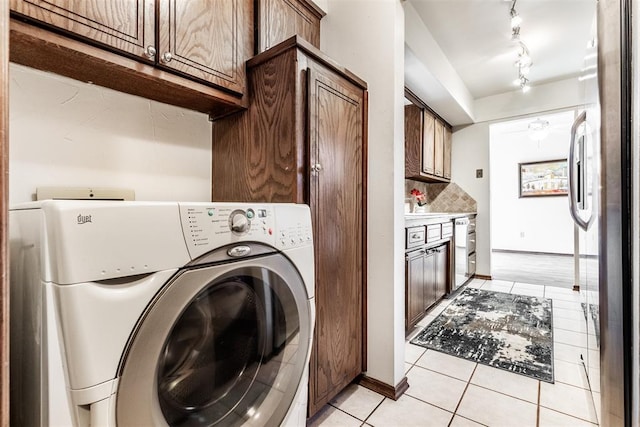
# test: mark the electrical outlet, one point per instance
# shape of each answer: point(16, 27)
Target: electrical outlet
point(478, 173)
point(522, 234)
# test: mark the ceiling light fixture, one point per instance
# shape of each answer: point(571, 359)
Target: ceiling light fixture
point(516, 20)
point(538, 129)
point(523, 59)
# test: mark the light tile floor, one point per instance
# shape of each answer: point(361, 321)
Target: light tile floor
point(451, 392)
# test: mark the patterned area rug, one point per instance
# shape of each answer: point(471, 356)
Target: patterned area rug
point(506, 331)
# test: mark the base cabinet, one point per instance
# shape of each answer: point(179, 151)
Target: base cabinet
point(303, 140)
point(415, 282)
point(441, 261)
point(426, 276)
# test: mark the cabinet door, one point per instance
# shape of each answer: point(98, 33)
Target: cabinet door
point(336, 114)
point(438, 151)
point(447, 153)
point(430, 279)
point(441, 271)
point(414, 283)
point(207, 39)
point(123, 25)
point(412, 140)
point(429, 145)
point(281, 19)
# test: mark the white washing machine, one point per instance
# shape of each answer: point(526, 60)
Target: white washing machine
point(152, 314)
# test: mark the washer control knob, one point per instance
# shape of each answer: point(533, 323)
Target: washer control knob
point(238, 222)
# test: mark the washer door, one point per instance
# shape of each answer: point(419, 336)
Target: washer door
point(220, 345)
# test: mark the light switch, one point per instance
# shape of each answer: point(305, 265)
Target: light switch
point(478, 173)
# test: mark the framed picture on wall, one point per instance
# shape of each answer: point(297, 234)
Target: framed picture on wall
point(545, 178)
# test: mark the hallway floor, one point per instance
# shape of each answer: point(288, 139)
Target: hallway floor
point(448, 391)
point(551, 270)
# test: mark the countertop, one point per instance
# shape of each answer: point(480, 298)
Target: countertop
point(411, 219)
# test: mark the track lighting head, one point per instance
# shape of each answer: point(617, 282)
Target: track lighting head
point(523, 59)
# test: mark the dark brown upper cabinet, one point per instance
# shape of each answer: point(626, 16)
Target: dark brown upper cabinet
point(206, 39)
point(127, 44)
point(428, 148)
point(447, 153)
point(279, 20)
point(123, 25)
point(427, 143)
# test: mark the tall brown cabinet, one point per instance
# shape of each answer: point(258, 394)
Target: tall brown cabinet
point(303, 140)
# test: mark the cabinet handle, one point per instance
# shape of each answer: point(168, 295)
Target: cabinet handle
point(415, 236)
point(472, 262)
point(471, 240)
point(316, 168)
point(166, 57)
point(150, 52)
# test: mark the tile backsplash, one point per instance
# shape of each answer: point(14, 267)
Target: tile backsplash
point(445, 197)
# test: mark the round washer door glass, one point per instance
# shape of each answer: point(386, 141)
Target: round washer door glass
point(220, 345)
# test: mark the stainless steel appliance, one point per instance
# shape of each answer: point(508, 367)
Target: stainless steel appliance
point(602, 174)
point(465, 252)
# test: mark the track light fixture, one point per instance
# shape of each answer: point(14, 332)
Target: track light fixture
point(523, 59)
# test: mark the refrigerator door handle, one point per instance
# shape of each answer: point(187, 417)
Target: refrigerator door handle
point(573, 206)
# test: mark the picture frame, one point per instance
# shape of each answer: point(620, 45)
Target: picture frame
point(543, 178)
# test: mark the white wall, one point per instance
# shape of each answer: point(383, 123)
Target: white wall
point(367, 37)
point(540, 99)
point(470, 151)
point(533, 224)
point(430, 75)
point(470, 145)
point(67, 133)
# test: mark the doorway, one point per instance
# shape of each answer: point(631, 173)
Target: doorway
point(532, 233)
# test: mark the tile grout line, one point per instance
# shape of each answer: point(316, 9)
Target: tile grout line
point(505, 394)
point(351, 415)
point(442, 373)
point(466, 387)
point(374, 410)
point(538, 405)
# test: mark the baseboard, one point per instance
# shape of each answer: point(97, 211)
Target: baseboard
point(384, 389)
point(482, 277)
point(512, 251)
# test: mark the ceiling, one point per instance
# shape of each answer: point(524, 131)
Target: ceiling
point(475, 37)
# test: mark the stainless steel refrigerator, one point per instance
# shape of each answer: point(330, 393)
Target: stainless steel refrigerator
point(601, 163)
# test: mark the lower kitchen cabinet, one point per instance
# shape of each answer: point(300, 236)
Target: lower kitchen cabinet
point(414, 277)
point(426, 276)
point(441, 261)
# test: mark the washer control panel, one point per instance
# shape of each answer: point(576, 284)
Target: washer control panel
point(208, 226)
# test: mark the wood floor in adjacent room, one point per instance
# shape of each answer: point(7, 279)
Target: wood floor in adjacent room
point(537, 269)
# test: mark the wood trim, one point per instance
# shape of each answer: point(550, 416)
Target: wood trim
point(482, 277)
point(310, 51)
point(48, 51)
point(365, 180)
point(384, 389)
point(313, 8)
point(4, 213)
